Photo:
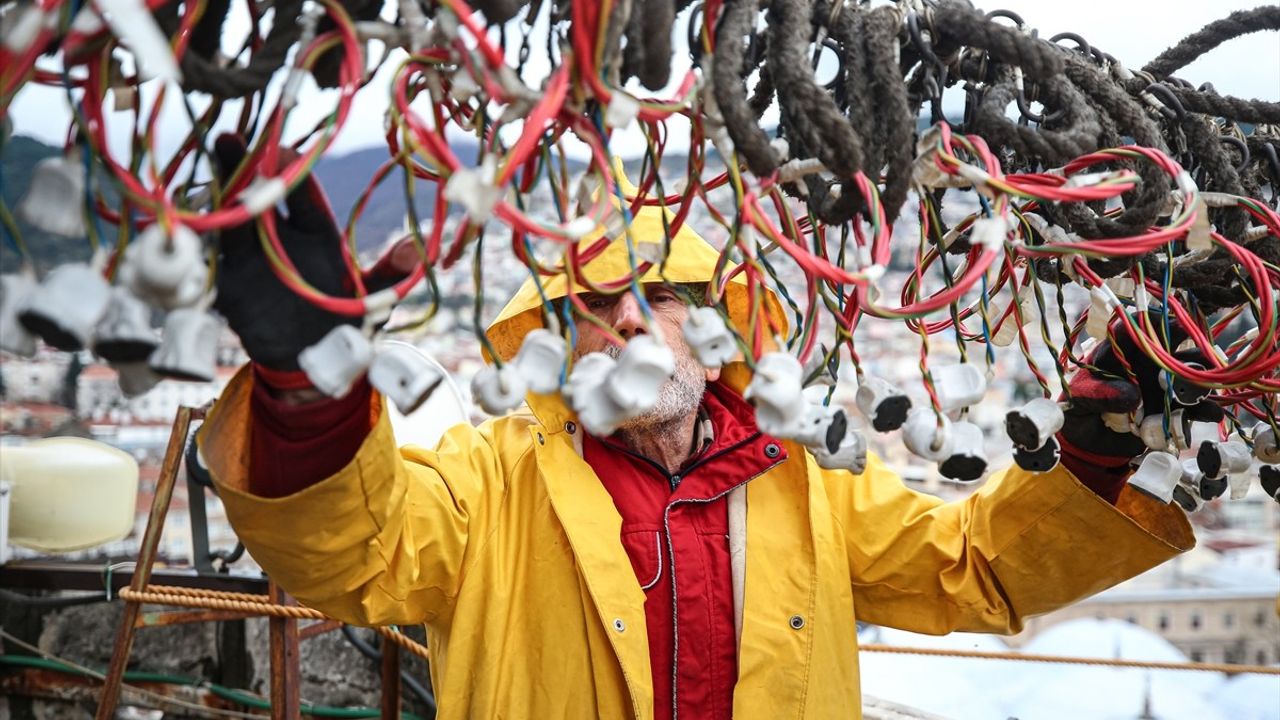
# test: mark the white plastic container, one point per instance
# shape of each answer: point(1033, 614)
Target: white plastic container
point(69, 493)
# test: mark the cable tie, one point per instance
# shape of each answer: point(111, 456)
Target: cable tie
point(133, 23)
point(621, 110)
point(263, 193)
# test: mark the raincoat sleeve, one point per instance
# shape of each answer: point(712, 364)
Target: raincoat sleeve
point(1022, 545)
point(382, 541)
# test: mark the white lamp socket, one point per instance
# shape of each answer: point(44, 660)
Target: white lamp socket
point(125, 334)
point(1265, 447)
point(850, 455)
point(499, 390)
point(595, 408)
point(189, 347)
point(959, 385)
point(66, 307)
point(167, 270)
point(823, 427)
point(1158, 474)
point(402, 373)
point(1152, 432)
point(1031, 425)
point(709, 338)
point(1217, 459)
point(15, 289)
point(337, 361)
point(775, 392)
point(883, 403)
point(924, 437)
point(53, 200)
point(135, 378)
point(968, 459)
point(644, 365)
point(541, 361)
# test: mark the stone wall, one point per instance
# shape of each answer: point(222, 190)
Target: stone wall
point(231, 653)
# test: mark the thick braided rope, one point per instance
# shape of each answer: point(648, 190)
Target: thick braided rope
point(249, 603)
point(1070, 660)
point(216, 603)
point(1241, 22)
point(404, 641)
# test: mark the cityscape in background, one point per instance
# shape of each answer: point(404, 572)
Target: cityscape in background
point(1217, 603)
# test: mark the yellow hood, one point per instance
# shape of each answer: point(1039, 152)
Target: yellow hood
point(691, 260)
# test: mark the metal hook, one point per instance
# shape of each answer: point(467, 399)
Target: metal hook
point(1082, 46)
point(1240, 145)
point(1165, 101)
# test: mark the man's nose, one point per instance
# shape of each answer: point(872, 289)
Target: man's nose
point(628, 320)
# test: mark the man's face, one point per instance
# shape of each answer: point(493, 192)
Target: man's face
point(682, 393)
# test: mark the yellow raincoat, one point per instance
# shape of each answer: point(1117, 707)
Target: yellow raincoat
point(505, 544)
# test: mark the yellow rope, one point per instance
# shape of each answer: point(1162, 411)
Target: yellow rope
point(214, 603)
point(1205, 667)
point(404, 641)
point(249, 604)
point(261, 605)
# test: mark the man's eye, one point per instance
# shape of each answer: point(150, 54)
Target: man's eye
point(664, 296)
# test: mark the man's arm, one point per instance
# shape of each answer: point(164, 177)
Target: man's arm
point(383, 539)
point(1024, 544)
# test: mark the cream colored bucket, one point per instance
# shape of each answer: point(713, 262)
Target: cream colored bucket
point(68, 493)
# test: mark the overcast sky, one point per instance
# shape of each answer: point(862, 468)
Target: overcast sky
point(1135, 31)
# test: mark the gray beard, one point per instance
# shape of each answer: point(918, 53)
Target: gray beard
point(678, 398)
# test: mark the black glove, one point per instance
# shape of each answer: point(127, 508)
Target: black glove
point(274, 323)
point(1108, 388)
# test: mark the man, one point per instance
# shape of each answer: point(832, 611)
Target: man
point(686, 566)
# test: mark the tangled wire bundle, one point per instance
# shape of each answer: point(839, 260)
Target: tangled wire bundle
point(1157, 197)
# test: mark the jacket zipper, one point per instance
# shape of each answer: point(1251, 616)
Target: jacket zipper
point(675, 604)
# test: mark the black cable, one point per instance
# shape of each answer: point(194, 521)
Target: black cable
point(424, 696)
point(51, 601)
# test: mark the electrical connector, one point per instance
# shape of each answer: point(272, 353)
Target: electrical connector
point(1184, 391)
point(1269, 478)
point(167, 270)
point(404, 374)
point(125, 334)
point(959, 385)
point(541, 360)
point(1152, 432)
point(15, 288)
point(1219, 459)
point(1033, 424)
point(707, 335)
point(1265, 447)
point(585, 393)
point(189, 346)
point(65, 308)
point(499, 390)
point(1157, 475)
point(924, 437)
point(823, 427)
point(339, 359)
point(775, 392)
point(51, 202)
point(884, 405)
point(1042, 459)
point(644, 365)
point(849, 454)
point(968, 459)
point(135, 378)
